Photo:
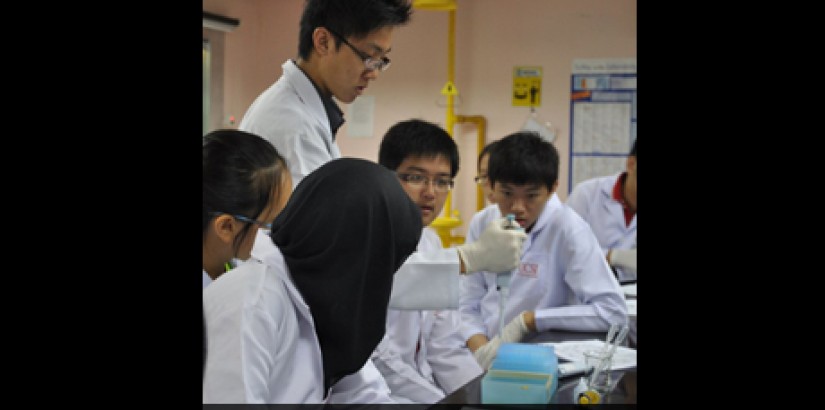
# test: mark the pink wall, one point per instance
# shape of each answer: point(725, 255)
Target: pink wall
point(492, 37)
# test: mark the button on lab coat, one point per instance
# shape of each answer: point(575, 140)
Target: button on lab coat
point(291, 115)
point(563, 277)
point(262, 346)
point(593, 200)
point(423, 356)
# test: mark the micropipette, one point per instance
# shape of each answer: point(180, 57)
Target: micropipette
point(503, 280)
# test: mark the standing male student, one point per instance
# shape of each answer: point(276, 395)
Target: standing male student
point(423, 356)
point(562, 282)
point(342, 46)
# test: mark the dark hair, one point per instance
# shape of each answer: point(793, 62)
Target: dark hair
point(484, 151)
point(241, 171)
point(522, 158)
point(416, 138)
point(348, 18)
point(633, 149)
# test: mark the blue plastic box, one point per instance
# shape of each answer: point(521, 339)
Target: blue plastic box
point(522, 373)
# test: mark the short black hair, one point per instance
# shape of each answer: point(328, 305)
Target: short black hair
point(348, 18)
point(417, 138)
point(633, 148)
point(484, 151)
point(524, 157)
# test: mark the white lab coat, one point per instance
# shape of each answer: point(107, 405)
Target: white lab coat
point(207, 280)
point(291, 115)
point(593, 200)
point(426, 280)
point(563, 277)
point(262, 346)
point(423, 356)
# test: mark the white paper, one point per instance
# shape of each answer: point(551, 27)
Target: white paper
point(631, 307)
point(359, 124)
point(624, 357)
point(629, 290)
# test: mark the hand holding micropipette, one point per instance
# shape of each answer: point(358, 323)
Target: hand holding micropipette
point(498, 249)
point(503, 278)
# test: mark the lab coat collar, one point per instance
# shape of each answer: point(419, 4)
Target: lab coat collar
point(307, 92)
point(277, 259)
point(611, 206)
point(553, 204)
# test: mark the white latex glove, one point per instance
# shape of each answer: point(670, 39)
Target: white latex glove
point(513, 332)
point(516, 330)
point(623, 258)
point(485, 354)
point(496, 250)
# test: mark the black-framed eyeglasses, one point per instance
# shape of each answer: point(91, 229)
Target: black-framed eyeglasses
point(480, 179)
point(440, 184)
point(246, 219)
point(369, 62)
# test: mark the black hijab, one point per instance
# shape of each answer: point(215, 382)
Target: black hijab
point(347, 228)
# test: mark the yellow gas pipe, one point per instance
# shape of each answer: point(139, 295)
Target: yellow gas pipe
point(443, 225)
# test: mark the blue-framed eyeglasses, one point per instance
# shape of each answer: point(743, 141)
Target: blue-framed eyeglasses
point(246, 219)
point(371, 63)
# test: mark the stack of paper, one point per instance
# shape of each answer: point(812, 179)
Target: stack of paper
point(623, 358)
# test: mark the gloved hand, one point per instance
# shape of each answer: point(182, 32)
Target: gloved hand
point(485, 354)
point(623, 258)
point(513, 332)
point(496, 250)
point(516, 330)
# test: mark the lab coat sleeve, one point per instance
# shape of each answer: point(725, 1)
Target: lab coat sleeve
point(367, 386)
point(472, 288)
point(579, 201)
point(452, 363)
point(599, 300)
point(427, 280)
point(247, 340)
point(405, 382)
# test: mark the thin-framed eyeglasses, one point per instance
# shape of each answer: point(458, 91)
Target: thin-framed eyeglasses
point(440, 184)
point(242, 218)
point(480, 179)
point(370, 63)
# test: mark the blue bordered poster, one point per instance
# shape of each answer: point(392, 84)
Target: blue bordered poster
point(602, 117)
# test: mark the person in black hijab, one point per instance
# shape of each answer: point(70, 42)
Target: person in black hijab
point(342, 258)
point(335, 247)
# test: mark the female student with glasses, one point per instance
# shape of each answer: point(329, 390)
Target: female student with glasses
point(245, 184)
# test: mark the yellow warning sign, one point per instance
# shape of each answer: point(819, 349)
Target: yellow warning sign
point(449, 89)
point(527, 86)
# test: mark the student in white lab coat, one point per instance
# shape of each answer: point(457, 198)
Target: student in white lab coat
point(245, 182)
point(299, 327)
point(563, 281)
point(342, 46)
point(423, 356)
point(481, 176)
point(608, 204)
point(245, 185)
